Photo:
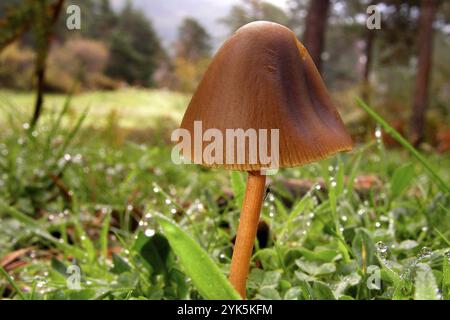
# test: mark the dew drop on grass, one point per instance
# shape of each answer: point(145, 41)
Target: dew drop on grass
point(378, 133)
point(447, 255)
point(149, 232)
point(382, 249)
point(424, 253)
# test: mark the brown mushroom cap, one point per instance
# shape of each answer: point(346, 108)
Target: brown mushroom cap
point(264, 78)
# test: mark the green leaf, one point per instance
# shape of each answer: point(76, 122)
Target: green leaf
point(425, 284)
point(401, 179)
point(204, 273)
point(316, 269)
point(363, 248)
point(446, 276)
point(238, 186)
point(268, 293)
point(324, 255)
point(120, 265)
point(271, 279)
point(322, 291)
point(155, 251)
point(398, 137)
point(293, 293)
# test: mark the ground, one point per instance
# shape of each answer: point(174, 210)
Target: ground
point(89, 192)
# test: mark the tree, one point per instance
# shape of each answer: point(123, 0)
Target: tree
point(314, 35)
point(192, 54)
point(193, 40)
point(252, 10)
point(424, 42)
point(40, 16)
point(134, 47)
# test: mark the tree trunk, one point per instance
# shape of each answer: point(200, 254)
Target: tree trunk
point(43, 46)
point(424, 42)
point(370, 35)
point(314, 35)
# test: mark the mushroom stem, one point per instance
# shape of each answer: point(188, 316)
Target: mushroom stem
point(246, 233)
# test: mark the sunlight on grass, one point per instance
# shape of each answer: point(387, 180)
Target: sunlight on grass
point(131, 107)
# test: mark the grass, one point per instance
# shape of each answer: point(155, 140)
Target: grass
point(102, 193)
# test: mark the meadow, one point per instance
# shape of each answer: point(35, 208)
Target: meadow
point(93, 186)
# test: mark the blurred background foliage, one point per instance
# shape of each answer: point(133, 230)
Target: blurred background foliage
point(118, 47)
point(82, 184)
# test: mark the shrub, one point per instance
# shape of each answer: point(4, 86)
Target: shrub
point(16, 67)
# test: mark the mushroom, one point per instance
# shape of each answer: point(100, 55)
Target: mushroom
point(262, 78)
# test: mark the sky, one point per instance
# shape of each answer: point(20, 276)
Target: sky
point(166, 15)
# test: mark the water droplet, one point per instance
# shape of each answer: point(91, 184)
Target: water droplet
point(424, 253)
point(382, 249)
point(149, 232)
point(378, 133)
point(344, 218)
point(155, 189)
point(168, 201)
point(447, 255)
point(377, 224)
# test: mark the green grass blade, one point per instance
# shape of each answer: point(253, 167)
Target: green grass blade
point(36, 228)
point(204, 273)
point(425, 285)
point(238, 186)
point(12, 283)
point(399, 138)
point(56, 125)
point(104, 236)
